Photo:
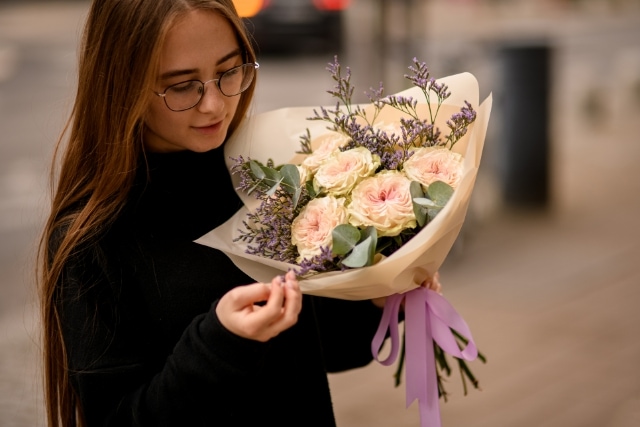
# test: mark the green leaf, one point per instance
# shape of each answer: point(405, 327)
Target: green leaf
point(440, 192)
point(364, 252)
point(417, 194)
point(312, 191)
point(268, 177)
point(361, 254)
point(291, 179)
point(345, 238)
point(416, 190)
point(373, 233)
point(256, 170)
point(431, 213)
point(272, 177)
point(271, 191)
point(424, 202)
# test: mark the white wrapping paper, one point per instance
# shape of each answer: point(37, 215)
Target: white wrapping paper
point(276, 135)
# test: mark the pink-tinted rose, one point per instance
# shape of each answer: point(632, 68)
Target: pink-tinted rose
point(344, 169)
point(304, 174)
point(384, 202)
point(434, 164)
point(311, 229)
point(393, 128)
point(328, 144)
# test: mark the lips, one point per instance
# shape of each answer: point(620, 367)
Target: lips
point(208, 129)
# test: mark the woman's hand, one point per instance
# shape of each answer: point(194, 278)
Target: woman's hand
point(432, 283)
point(239, 313)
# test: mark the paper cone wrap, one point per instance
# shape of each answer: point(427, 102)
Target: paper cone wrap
point(276, 135)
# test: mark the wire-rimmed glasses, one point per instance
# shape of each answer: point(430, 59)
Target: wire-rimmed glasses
point(185, 95)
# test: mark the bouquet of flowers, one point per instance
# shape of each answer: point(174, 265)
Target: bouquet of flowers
point(377, 196)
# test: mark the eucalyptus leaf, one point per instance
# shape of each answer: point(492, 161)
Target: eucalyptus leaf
point(431, 213)
point(360, 255)
point(312, 191)
point(440, 192)
point(417, 194)
point(272, 177)
point(424, 202)
point(290, 176)
point(256, 170)
point(291, 179)
point(345, 238)
point(372, 233)
point(415, 188)
point(271, 191)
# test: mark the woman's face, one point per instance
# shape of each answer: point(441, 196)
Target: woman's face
point(201, 46)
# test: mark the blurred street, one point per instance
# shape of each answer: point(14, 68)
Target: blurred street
point(551, 294)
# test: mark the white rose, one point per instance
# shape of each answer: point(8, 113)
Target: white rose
point(304, 174)
point(393, 128)
point(311, 229)
point(430, 164)
point(329, 143)
point(384, 202)
point(344, 169)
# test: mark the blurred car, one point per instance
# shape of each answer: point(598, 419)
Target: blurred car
point(307, 26)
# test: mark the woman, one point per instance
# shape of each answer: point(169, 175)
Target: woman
point(141, 325)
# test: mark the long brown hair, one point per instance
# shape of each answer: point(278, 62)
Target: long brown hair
point(119, 58)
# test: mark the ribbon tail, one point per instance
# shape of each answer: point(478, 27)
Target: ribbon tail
point(444, 318)
point(388, 322)
point(422, 383)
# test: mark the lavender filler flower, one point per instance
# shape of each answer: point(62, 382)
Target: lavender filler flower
point(282, 195)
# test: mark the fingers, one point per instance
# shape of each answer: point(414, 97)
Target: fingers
point(246, 296)
point(283, 306)
point(238, 312)
point(433, 283)
point(292, 301)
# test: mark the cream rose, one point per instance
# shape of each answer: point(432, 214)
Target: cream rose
point(311, 229)
point(329, 143)
point(304, 174)
point(344, 169)
point(384, 202)
point(434, 164)
point(393, 128)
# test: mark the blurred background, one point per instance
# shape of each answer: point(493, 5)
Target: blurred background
point(545, 271)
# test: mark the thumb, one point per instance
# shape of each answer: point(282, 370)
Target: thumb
point(243, 296)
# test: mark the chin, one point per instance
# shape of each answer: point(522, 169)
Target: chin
point(203, 148)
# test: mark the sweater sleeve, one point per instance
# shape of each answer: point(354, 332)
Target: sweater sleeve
point(346, 329)
point(118, 378)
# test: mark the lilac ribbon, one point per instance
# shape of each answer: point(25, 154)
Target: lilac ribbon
point(428, 317)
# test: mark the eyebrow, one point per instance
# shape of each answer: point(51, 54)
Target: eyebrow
point(175, 73)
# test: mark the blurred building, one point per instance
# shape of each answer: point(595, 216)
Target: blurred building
point(592, 54)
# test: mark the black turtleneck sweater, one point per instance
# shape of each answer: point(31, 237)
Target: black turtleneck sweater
point(144, 344)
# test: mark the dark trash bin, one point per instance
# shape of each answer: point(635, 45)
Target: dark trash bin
point(525, 125)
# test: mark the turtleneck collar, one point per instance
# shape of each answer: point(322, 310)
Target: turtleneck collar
point(183, 195)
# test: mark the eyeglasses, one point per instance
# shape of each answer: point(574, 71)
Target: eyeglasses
point(185, 95)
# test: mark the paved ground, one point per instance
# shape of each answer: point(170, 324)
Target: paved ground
point(551, 299)
point(553, 304)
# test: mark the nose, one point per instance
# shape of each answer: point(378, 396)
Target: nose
point(212, 99)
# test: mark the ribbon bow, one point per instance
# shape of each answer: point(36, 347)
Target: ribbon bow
point(428, 317)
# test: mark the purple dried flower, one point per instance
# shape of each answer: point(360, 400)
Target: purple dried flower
point(324, 261)
point(268, 230)
point(460, 122)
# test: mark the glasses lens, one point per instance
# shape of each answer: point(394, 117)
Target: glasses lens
point(184, 95)
point(237, 79)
